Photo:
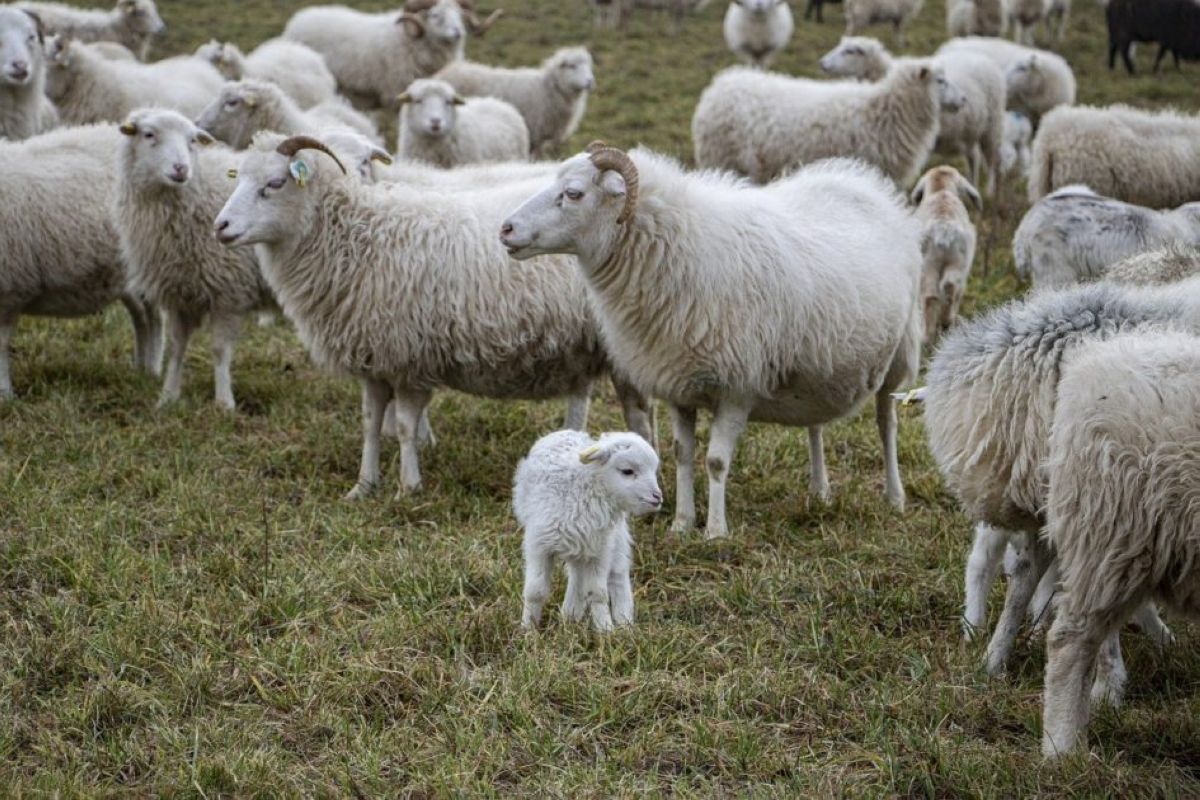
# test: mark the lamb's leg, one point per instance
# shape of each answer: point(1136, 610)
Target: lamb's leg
point(729, 422)
point(225, 329)
point(577, 409)
point(1151, 624)
point(538, 566)
point(683, 428)
point(591, 580)
point(620, 586)
point(885, 418)
point(638, 410)
point(1071, 650)
point(573, 606)
point(375, 396)
point(410, 405)
point(155, 340)
point(140, 319)
point(425, 437)
point(181, 330)
point(983, 564)
point(818, 478)
point(1032, 560)
point(1109, 685)
point(7, 327)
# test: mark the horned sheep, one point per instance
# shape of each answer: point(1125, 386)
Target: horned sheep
point(24, 109)
point(440, 127)
point(131, 23)
point(1035, 80)
point(299, 70)
point(947, 244)
point(758, 30)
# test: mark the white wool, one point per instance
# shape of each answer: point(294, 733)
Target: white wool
point(758, 30)
point(1168, 265)
point(975, 18)
point(1015, 154)
point(243, 108)
point(1037, 80)
point(439, 127)
point(131, 23)
point(297, 69)
point(1023, 16)
point(24, 109)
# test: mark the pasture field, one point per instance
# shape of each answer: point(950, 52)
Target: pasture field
point(189, 609)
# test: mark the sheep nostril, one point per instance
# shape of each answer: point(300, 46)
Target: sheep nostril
point(506, 229)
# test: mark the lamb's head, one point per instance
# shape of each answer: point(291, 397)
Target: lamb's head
point(945, 94)
point(141, 17)
point(857, 57)
point(62, 64)
point(627, 467)
point(945, 179)
point(160, 147)
point(224, 56)
point(21, 42)
point(279, 184)
point(240, 110)
point(430, 107)
point(759, 7)
point(582, 212)
point(356, 150)
point(570, 71)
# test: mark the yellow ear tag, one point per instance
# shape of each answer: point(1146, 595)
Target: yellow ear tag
point(232, 174)
point(586, 456)
point(299, 171)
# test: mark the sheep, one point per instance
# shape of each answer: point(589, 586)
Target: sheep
point(1023, 16)
point(374, 57)
point(166, 191)
point(552, 98)
point(793, 303)
point(573, 496)
point(1122, 506)
point(758, 30)
point(1056, 13)
point(405, 289)
point(1147, 158)
point(863, 13)
point(24, 109)
point(815, 6)
point(1036, 80)
point(88, 87)
point(763, 125)
point(975, 18)
point(1168, 265)
point(440, 127)
point(675, 8)
point(1075, 235)
point(299, 70)
point(947, 244)
point(975, 131)
point(61, 255)
point(1015, 147)
point(1173, 24)
point(131, 23)
point(608, 13)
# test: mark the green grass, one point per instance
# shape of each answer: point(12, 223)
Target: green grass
point(188, 608)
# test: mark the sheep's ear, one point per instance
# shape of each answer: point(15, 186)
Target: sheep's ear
point(969, 194)
point(612, 183)
point(231, 174)
point(204, 138)
point(129, 128)
point(593, 455)
point(381, 155)
point(458, 100)
point(38, 24)
point(918, 194)
point(403, 98)
point(924, 73)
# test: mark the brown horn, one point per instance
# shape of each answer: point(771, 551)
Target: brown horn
point(289, 147)
point(407, 18)
point(605, 158)
point(478, 28)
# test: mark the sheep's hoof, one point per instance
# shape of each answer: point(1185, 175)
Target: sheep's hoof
point(995, 665)
point(164, 402)
point(359, 491)
point(682, 525)
point(716, 532)
point(971, 631)
point(404, 492)
point(822, 494)
point(896, 500)
point(227, 405)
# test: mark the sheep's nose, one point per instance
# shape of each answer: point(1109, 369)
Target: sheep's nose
point(656, 498)
point(506, 230)
point(435, 125)
point(19, 70)
point(179, 172)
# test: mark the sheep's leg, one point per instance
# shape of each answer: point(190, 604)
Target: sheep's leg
point(1041, 611)
point(139, 318)
point(577, 408)
point(620, 586)
point(7, 327)
point(425, 436)
point(1071, 650)
point(638, 410)
point(683, 428)
point(181, 330)
point(538, 566)
point(1151, 624)
point(375, 396)
point(729, 422)
point(1162, 51)
point(154, 340)
point(1109, 685)
point(1032, 560)
point(1125, 56)
point(983, 564)
point(885, 418)
point(573, 606)
point(410, 406)
point(591, 582)
point(818, 478)
point(225, 329)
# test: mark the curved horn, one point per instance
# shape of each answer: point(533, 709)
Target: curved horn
point(604, 158)
point(289, 147)
point(478, 28)
point(407, 18)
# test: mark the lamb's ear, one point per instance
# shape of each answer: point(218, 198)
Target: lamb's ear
point(204, 138)
point(459, 100)
point(612, 183)
point(380, 155)
point(969, 194)
point(403, 98)
point(129, 127)
point(924, 73)
point(593, 455)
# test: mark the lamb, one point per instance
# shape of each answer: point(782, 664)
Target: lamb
point(300, 71)
point(24, 109)
point(716, 294)
point(1075, 235)
point(758, 30)
point(374, 57)
point(243, 108)
point(1173, 24)
point(131, 23)
point(405, 289)
point(863, 13)
point(763, 125)
point(975, 131)
point(1015, 148)
point(551, 98)
point(87, 87)
point(166, 190)
point(1023, 16)
point(947, 244)
point(1146, 158)
point(574, 495)
point(440, 127)
point(1122, 505)
point(61, 257)
point(975, 18)
point(1168, 265)
point(1036, 80)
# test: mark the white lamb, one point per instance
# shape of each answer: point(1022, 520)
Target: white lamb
point(552, 98)
point(297, 69)
point(438, 126)
point(898, 13)
point(1015, 149)
point(1075, 235)
point(1036, 80)
point(131, 23)
point(167, 190)
point(794, 303)
point(24, 109)
point(975, 18)
point(574, 495)
point(243, 108)
point(947, 244)
point(763, 125)
point(758, 30)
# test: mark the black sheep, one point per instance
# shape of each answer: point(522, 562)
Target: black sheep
point(1172, 24)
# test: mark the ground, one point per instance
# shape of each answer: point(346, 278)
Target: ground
point(189, 608)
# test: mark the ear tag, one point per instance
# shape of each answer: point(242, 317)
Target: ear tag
point(586, 456)
point(232, 174)
point(299, 171)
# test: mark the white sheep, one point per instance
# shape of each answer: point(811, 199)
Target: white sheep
point(763, 125)
point(1075, 235)
point(1168, 265)
point(131, 23)
point(406, 289)
point(1122, 506)
point(376, 56)
point(947, 244)
point(440, 127)
point(573, 495)
point(552, 98)
point(675, 8)
point(1056, 15)
point(297, 69)
point(24, 109)
point(794, 303)
point(1036, 80)
point(898, 13)
point(1015, 154)
point(758, 30)
point(1023, 16)
point(61, 256)
point(1148, 158)
point(243, 108)
point(975, 18)
point(169, 184)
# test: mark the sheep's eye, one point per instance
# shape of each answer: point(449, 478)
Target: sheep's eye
point(629, 473)
point(277, 183)
point(573, 194)
point(148, 135)
point(232, 103)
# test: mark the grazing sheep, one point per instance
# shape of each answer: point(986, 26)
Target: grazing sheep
point(406, 288)
point(167, 190)
point(863, 13)
point(1169, 265)
point(131, 23)
point(947, 244)
point(574, 495)
point(376, 56)
point(763, 125)
point(24, 109)
point(1148, 158)
point(61, 257)
point(552, 98)
point(1075, 235)
point(440, 127)
point(793, 303)
point(1023, 16)
point(975, 18)
point(1056, 14)
point(757, 30)
point(1036, 80)
point(1123, 506)
point(243, 108)
point(299, 70)
point(1015, 148)
point(1173, 24)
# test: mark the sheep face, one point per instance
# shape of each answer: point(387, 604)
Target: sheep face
point(444, 23)
point(237, 113)
point(430, 108)
point(358, 151)
point(225, 57)
point(20, 47)
point(570, 70)
point(161, 148)
point(950, 97)
point(141, 16)
point(1025, 78)
point(60, 66)
point(627, 467)
point(854, 57)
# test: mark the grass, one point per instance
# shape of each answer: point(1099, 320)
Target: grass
point(189, 609)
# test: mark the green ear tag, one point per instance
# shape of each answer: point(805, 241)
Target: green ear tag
point(232, 174)
point(299, 171)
